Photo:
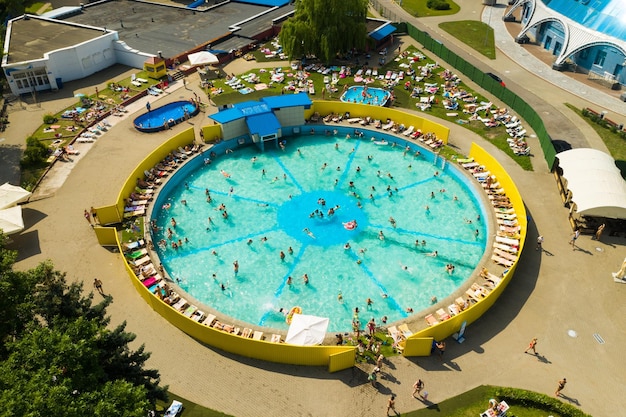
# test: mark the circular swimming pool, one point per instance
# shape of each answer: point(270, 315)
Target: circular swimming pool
point(360, 219)
point(366, 95)
point(164, 117)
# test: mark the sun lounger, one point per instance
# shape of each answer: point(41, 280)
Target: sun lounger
point(453, 309)
point(404, 328)
point(506, 216)
point(198, 316)
point(257, 335)
point(133, 245)
point(140, 261)
point(442, 315)
point(136, 83)
point(475, 295)
point(137, 254)
point(354, 120)
point(409, 131)
point(210, 319)
point(149, 282)
point(180, 304)
point(247, 333)
point(388, 125)
point(174, 409)
point(504, 247)
point(470, 165)
point(505, 255)
point(275, 338)
point(431, 320)
point(190, 310)
point(507, 241)
point(501, 261)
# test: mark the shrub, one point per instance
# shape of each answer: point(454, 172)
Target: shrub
point(49, 119)
point(35, 154)
point(539, 401)
point(438, 4)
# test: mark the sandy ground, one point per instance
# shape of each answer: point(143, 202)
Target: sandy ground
point(554, 291)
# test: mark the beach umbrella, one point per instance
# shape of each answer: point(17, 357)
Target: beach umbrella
point(11, 220)
point(11, 195)
point(307, 330)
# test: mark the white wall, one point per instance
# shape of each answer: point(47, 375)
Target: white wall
point(235, 128)
point(82, 60)
point(129, 56)
point(290, 116)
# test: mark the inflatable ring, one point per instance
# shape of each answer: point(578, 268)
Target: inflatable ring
point(351, 225)
point(294, 310)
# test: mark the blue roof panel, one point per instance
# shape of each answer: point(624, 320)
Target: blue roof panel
point(272, 3)
point(287, 100)
point(383, 31)
point(263, 124)
point(227, 115)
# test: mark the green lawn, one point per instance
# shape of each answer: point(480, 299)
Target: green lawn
point(477, 35)
point(33, 8)
point(418, 8)
point(613, 141)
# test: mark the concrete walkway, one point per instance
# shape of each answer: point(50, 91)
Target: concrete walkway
point(554, 292)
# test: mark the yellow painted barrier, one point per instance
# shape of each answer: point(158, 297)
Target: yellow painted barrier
point(107, 236)
point(212, 133)
point(383, 113)
point(414, 345)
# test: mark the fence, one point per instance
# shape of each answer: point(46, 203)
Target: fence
point(490, 85)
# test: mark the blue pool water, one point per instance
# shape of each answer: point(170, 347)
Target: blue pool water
point(165, 116)
point(269, 213)
point(366, 95)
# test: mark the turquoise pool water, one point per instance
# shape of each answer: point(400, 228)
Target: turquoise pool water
point(166, 116)
point(366, 95)
point(272, 198)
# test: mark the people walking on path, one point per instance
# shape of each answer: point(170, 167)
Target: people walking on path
point(87, 216)
point(575, 236)
point(418, 386)
point(532, 345)
point(560, 387)
point(599, 231)
point(97, 284)
point(539, 242)
point(391, 405)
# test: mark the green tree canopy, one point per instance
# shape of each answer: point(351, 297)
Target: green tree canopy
point(57, 355)
point(325, 28)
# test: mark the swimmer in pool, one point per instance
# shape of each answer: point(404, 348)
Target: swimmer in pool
point(308, 232)
point(432, 254)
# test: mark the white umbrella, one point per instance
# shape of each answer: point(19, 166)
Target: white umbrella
point(202, 58)
point(11, 195)
point(307, 330)
point(11, 220)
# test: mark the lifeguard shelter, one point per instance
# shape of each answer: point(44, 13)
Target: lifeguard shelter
point(155, 67)
point(264, 122)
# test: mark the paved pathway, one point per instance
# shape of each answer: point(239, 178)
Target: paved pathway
point(553, 292)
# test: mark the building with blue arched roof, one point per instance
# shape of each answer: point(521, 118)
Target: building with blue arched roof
point(588, 33)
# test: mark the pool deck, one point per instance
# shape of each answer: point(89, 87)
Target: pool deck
point(554, 291)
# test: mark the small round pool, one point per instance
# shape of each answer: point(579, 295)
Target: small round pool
point(366, 95)
point(166, 116)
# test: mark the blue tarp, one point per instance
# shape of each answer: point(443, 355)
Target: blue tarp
point(383, 32)
point(263, 124)
point(288, 100)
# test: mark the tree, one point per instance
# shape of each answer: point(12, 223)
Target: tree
point(57, 355)
point(325, 28)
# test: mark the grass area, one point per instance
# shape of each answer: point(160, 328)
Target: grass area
point(33, 8)
point(613, 140)
point(469, 404)
point(418, 8)
point(497, 135)
point(477, 35)
point(133, 230)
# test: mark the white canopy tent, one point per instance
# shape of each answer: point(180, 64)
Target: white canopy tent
point(202, 58)
point(11, 195)
point(11, 220)
point(307, 330)
point(597, 187)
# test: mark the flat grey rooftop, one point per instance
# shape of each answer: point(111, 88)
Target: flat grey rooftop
point(31, 38)
point(173, 30)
